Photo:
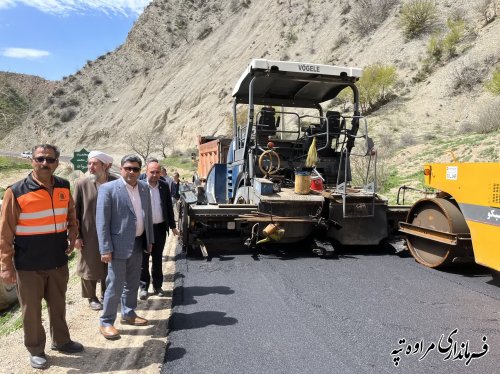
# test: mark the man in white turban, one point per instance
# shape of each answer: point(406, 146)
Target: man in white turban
point(101, 156)
point(90, 267)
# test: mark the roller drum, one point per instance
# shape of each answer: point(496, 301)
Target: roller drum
point(440, 215)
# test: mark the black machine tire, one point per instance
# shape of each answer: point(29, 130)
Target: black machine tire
point(190, 247)
point(184, 224)
point(239, 198)
point(435, 214)
point(193, 250)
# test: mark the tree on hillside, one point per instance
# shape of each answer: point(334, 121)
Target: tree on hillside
point(163, 145)
point(142, 142)
point(241, 120)
point(375, 84)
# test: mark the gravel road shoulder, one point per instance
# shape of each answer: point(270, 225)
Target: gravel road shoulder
point(140, 349)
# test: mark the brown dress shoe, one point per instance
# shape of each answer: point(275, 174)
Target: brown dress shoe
point(109, 332)
point(135, 321)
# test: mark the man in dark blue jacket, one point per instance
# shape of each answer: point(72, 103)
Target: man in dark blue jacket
point(163, 219)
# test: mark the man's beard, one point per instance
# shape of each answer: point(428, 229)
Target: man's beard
point(95, 177)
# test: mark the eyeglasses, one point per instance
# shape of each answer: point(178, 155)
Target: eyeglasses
point(134, 169)
point(48, 160)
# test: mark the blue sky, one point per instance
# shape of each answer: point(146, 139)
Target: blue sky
point(55, 38)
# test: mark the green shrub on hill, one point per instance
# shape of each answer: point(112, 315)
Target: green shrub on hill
point(442, 47)
point(435, 48)
point(454, 36)
point(417, 17)
point(493, 85)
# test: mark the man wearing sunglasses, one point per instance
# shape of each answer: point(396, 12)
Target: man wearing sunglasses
point(38, 219)
point(124, 226)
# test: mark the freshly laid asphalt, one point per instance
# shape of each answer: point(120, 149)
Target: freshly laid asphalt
point(293, 312)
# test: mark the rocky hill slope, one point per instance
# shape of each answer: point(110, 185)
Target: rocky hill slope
point(20, 94)
point(175, 72)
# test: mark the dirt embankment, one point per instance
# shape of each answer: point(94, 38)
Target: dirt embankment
point(140, 349)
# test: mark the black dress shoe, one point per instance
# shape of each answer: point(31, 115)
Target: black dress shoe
point(94, 304)
point(38, 361)
point(69, 347)
point(159, 292)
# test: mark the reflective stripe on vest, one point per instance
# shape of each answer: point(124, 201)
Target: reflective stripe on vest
point(46, 229)
point(43, 214)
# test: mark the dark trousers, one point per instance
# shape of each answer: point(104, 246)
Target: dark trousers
point(32, 287)
point(89, 288)
point(160, 235)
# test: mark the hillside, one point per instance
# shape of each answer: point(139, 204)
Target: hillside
point(175, 72)
point(19, 95)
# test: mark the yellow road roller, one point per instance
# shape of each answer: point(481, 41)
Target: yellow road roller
point(462, 222)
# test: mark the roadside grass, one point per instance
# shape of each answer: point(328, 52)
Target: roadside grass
point(180, 163)
point(395, 180)
point(10, 320)
point(9, 164)
point(489, 153)
point(462, 147)
point(392, 180)
point(13, 163)
point(465, 148)
point(73, 279)
point(417, 178)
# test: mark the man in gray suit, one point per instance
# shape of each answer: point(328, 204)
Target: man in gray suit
point(125, 229)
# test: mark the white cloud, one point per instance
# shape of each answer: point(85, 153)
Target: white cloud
point(6, 3)
point(30, 54)
point(67, 6)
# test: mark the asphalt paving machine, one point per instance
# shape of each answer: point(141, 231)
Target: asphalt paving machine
point(291, 170)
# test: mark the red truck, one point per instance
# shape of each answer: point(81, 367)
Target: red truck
point(211, 150)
